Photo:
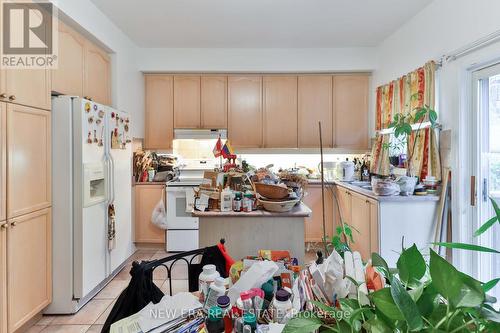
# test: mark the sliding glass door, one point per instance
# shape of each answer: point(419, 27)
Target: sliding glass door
point(486, 168)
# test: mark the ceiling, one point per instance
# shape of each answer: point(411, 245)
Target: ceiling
point(259, 23)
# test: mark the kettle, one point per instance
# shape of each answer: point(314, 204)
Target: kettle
point(345, 170)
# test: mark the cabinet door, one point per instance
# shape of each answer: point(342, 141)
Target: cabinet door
point(146, 198)
point(280, 111)
point(97, 81)
point(159, 131)
point(3, 162)
point(350, 109)
point(28, 159)
point(213, 102)
point(315, 105)
point(344, 198)
point(29, 87)
point(374, 239)
point(314, 224)
point(3, 276)
point(68, 77)
point(186, 101)
point(29, 276)
point(245, 111)
point(360, 211)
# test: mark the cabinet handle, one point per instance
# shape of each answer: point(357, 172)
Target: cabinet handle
point(13, 224)
point(3, 95)
point(5, 226)
point(12, 97)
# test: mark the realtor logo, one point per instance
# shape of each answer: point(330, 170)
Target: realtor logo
point(28, 35)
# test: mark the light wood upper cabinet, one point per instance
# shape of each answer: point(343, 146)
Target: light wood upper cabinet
point(187, 102)
point(159, 120)
point(29, 262)
point(313, 225)
point(350, 107)
point(213, 102)
point(97, 80)
point(245, 111)
point(314, 105)
point(29, 159)
point(29, 87)
point(69, 76)
point(146, 198)
point(280, 111)
point(3, 162)
point(3, 276)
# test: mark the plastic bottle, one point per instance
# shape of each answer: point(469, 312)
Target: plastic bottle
point(206, 278)
point(224, 303)
point(237, 202)
point(215, 321)
point(247, 202)
point(268, 289)
point(249, 319)
point(215, 290)
point(226, 200)
point(281, 305)
point(246, 299)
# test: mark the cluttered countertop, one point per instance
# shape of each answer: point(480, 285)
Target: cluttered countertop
point(300, 210)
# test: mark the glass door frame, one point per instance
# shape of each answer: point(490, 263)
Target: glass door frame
point(481, 211)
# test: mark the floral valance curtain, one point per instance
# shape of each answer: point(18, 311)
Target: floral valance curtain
point(401, 96)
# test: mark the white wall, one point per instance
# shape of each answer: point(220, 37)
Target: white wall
point(257, 60)
point(440, 28)
point(127, 81)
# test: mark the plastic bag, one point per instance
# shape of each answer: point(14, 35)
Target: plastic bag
point(159, 215)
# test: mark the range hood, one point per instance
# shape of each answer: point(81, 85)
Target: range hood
point(200, 134)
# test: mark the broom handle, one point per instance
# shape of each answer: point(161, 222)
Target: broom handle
point(322, 188)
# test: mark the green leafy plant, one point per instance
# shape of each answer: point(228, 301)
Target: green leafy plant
point(342, 239)
point(419, 297)
point(402, 124)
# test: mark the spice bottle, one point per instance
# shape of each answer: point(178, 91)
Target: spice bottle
point(237, 202)
point(247, 202)
point(215, 290)
point(281, 305)
point(224, 303)
point(206, 278)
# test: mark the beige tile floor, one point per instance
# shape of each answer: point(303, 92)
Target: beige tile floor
point(92, 316)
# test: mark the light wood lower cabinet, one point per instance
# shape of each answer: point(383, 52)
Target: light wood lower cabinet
point(159, 120)
point(361, 213)
point(314, 224)
point(29, 266)
point(245, 111)
point(29, 159)
point(146, 198)
point(3, 161)
point(3, 276)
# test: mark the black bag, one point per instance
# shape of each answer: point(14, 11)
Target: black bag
point(211, 256)
point(140, 292)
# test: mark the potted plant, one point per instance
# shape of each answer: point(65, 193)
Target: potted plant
point(420, 296)
point(403, 125)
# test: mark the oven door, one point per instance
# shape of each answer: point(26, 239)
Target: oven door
point(178, 218)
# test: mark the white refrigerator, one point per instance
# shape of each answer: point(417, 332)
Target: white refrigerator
point(91, 175)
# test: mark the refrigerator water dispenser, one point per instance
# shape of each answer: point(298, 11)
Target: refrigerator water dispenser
point(94, 184)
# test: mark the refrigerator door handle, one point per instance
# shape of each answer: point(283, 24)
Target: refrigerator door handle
point(112, 177)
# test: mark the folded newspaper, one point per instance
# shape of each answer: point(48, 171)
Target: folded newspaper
point(171, 312)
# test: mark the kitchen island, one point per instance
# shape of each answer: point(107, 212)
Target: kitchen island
point(246, 233)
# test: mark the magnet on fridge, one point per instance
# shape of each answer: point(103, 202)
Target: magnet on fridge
point(100, 144)
point(126, 127)
point(98, 121)
point(89, 138)
point(95, 136)
point(112, 114)
point(91, 120)
point(101, 114)
point(87, 107)
point(95, 107)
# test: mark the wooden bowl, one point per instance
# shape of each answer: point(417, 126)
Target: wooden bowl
point(271, 191)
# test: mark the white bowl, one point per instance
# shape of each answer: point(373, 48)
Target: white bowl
point(279, 206)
